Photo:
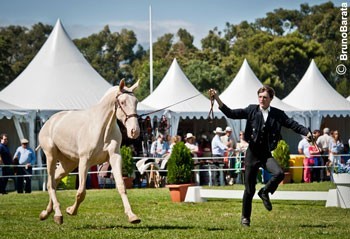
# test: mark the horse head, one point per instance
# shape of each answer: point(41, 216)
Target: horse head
point(126, 109)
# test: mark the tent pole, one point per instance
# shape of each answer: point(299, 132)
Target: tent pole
point(150, 51)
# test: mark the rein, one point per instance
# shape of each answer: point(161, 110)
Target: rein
point(155, 111)
point(211, 111)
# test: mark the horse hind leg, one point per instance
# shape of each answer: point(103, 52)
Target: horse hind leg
point(64, 168)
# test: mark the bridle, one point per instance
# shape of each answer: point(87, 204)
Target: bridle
point(118, 105)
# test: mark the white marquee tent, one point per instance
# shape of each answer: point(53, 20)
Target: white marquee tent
point(175, 89)
point(58, 78)
point(315, 95)
point(243, 91)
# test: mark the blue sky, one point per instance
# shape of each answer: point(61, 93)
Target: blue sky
point(83, 17)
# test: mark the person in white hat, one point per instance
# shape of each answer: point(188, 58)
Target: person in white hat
point(262, 132)
point(26, 159)
point(217, 146)
point(191, 144)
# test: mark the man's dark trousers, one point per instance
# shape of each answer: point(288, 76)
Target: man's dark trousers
point(253, 161)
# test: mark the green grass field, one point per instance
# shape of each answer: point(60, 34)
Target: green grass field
point(102, 216)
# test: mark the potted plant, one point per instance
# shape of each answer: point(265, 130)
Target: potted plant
point(179, 177)
point(282, 155)
point(127, 166)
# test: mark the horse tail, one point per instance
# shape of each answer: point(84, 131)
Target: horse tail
point(37, 148)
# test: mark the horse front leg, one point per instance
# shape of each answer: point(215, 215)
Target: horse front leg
point(116, 164)
point(81, 192)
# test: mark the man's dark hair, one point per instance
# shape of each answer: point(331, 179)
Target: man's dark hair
point(268, 89)
point(3, 135)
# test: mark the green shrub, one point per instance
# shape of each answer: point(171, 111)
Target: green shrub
point(180, 165)
point(282, 154)
point(127, 161)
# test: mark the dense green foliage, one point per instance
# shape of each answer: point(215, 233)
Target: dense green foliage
point(180, 165)
point(101, 215)
point(282, 154)
point(127, 161)
point(278, 47)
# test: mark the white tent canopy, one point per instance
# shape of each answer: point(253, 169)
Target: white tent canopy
point(58, 78)
point(314, 94)
point(175, 88)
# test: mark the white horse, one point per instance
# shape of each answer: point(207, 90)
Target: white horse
point(86, 138)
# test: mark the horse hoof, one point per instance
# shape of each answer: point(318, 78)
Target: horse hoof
point(43, 215)
point(70, 211)
point(135, 220)
point(58, 219)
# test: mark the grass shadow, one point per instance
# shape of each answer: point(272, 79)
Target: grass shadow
point(144, 227)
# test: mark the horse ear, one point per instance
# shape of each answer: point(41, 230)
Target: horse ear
point(121, 84)
point(132, 88)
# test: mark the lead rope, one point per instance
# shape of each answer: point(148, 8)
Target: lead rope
point(155, 111)
point(211, 112)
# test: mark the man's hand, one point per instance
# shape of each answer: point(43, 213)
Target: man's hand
point(212, 93)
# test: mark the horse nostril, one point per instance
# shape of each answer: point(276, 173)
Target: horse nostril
point(133, 132)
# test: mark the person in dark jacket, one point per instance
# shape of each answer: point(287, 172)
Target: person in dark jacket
point(262, 132)
point(6, 162)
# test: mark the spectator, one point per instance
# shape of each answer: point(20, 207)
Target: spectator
point(314, 150)
point(26, 159)
point(241, 149)
point(229, 161)
point(303, 148)
point(336, 147)
point(190, 143)
point(158, 148)
point(217, 147)
point(204, 146)
point(242, 145)
point(175, 139)
point(5, 162)
point(323, 143)
point(228, 139)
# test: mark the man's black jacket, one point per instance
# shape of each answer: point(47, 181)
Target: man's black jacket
point(255, 121)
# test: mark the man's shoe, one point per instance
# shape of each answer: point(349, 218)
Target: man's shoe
point(265, 198)
point(245, 222)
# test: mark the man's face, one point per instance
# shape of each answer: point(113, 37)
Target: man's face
point(4, 140)
point(264, 100)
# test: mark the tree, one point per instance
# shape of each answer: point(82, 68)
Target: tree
point(288, 57)
point(111, 53)
point(22, 45)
